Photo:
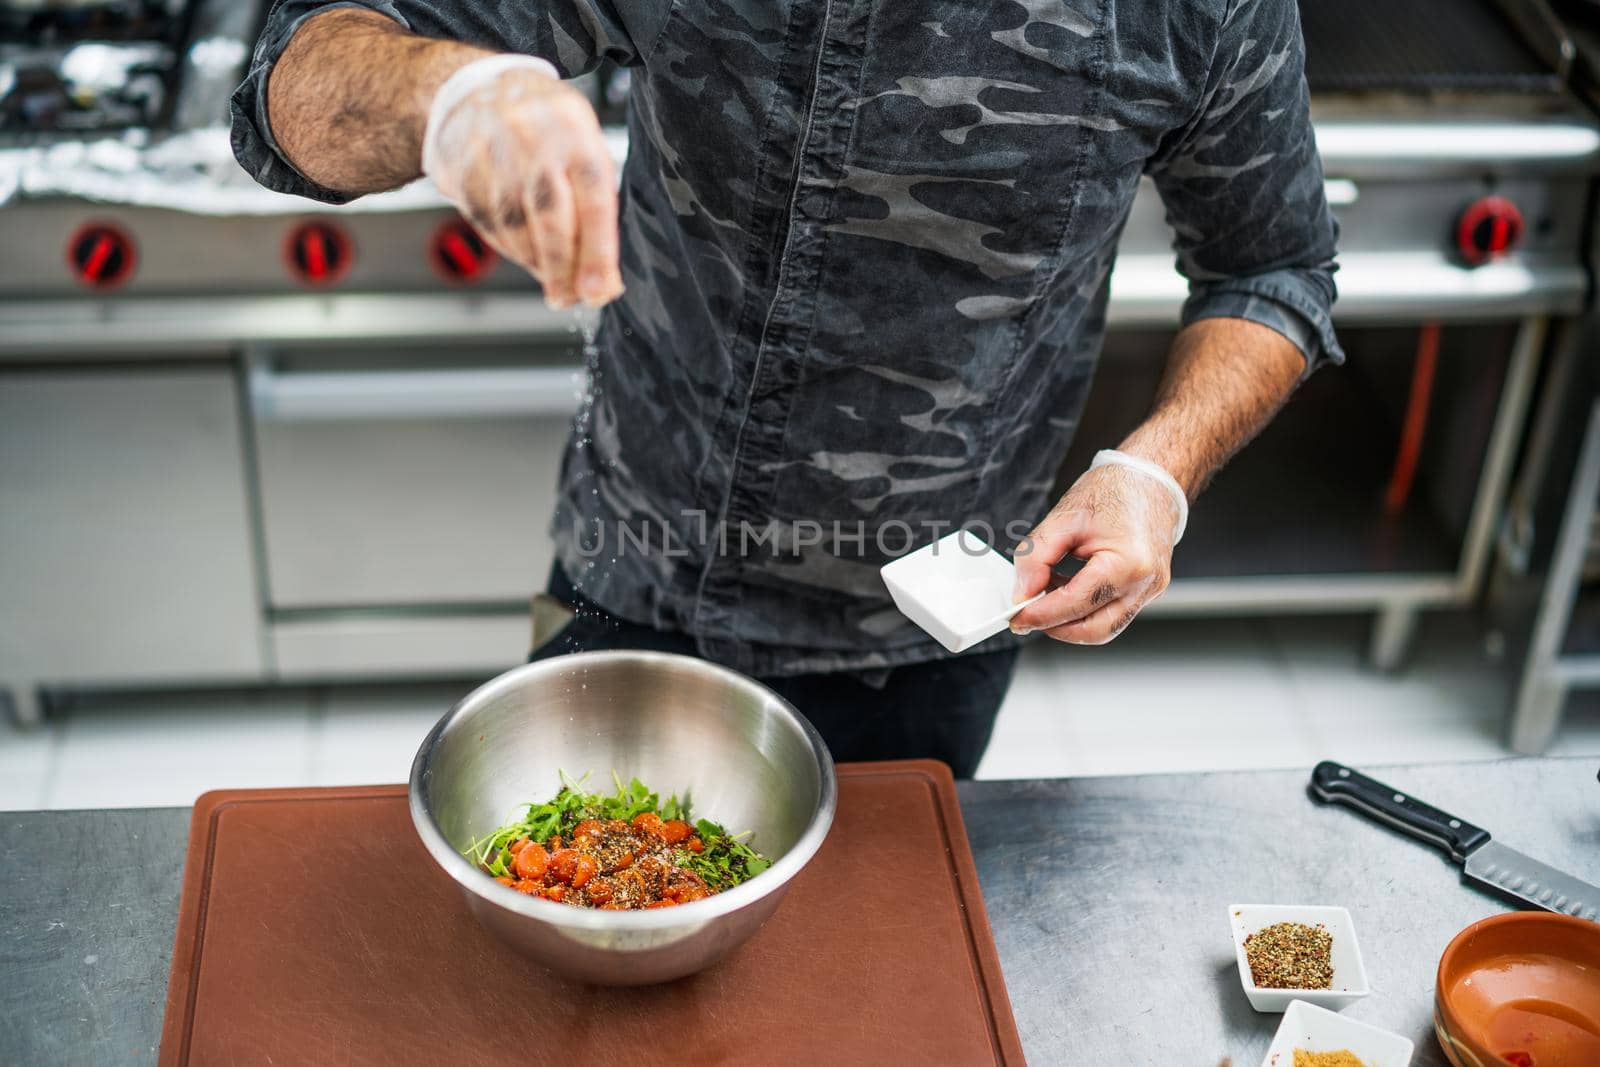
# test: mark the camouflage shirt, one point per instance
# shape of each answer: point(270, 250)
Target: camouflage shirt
point(866, 247)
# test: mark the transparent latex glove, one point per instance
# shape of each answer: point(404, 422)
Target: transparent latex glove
point(521, 154)
point(1123, 523)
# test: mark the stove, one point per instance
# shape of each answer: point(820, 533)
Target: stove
point(1458, 163)
point(1420, 46)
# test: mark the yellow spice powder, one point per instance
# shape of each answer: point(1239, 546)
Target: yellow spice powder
point(1343, 1058)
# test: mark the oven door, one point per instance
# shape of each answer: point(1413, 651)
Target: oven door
point(404, 498)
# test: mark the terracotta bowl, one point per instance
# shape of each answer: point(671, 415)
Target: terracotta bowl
point(1521, 989)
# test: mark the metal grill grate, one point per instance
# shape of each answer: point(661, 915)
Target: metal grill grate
point(1417, 45)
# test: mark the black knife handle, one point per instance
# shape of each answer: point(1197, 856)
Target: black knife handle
point(1338, 784)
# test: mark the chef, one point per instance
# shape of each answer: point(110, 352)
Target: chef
point(854, 287)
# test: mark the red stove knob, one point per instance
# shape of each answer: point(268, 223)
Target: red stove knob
point(1489, 228)
point(101, 255)
point(318, 253)
point(458, 254)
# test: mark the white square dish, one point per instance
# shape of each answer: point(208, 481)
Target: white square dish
point(958, 589)
point(1349, 973)
point(1306, 1026)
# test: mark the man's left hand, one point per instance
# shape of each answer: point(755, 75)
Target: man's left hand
point(1123, 523)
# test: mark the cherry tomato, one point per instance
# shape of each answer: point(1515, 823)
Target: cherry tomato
point(557, 893)
point(532, 861)
point(528, 886)
point(617, 826)
point(564, 864)
point(689, 893)
point(675, 830)
point(694, 844)
point(599, 893)
point(503, 880)
point(648, 822)
point(518, 845)
point(584, 869)
point(554, 843)
point(624, 861)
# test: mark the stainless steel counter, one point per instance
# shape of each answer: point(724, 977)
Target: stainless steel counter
point(1108, 898)
point(88, 909)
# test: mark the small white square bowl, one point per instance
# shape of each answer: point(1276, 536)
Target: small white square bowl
point(1315, 1029)
point(958, 589)
point(1349, 973)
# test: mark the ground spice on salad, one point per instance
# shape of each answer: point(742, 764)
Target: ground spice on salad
point(1290, 956)
point(616, 852)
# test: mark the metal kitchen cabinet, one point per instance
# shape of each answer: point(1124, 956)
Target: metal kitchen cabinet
point(125, 545)
point(404, 501)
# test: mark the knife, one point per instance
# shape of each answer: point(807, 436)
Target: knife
point(1488, 863)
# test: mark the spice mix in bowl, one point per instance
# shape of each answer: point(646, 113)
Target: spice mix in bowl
point(1297, 952)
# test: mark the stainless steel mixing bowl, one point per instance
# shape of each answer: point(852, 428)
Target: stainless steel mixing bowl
point(746, 758)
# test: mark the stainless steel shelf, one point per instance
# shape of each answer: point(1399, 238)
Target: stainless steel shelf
point(177, 325)
point(1378, 288)
point(1583, 630)
point(1317, 540)
point(1306, 499)
point(1564, 651)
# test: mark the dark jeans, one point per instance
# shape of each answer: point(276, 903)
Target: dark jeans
point(944, 709)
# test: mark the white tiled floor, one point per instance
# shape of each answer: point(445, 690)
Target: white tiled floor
point(1169, 695)
point(163, 749)
point(1188, 695)
point(369, 735)
point(26, 760)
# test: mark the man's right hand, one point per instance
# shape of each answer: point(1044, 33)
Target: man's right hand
point(521, 154)
point(523, 157)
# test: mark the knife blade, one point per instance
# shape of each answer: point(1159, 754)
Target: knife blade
point(1507, 871)
point(1485, 862)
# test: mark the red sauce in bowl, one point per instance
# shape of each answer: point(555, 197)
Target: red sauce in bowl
point(1524, 988)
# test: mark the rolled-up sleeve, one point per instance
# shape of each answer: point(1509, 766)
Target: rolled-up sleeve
point(1243, 189)
point(573, 34)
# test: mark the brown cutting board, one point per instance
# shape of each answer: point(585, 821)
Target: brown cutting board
point(314, 929)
